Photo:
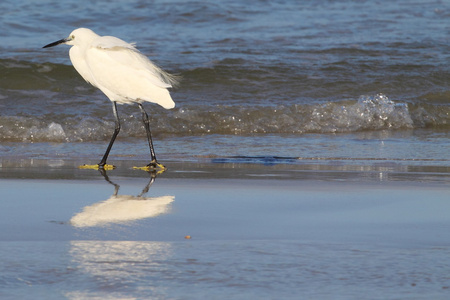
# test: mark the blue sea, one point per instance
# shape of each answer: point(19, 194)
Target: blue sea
point(352, 90)
point(264, 78)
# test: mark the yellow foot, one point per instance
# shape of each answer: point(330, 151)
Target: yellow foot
point(96, 167)
point(153, 166)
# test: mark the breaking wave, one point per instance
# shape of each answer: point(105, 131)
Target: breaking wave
point(369, 113)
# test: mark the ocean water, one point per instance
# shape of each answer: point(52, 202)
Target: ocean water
point(266, 73)
point(312, 92)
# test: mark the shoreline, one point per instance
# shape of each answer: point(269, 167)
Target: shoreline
point(32, 186)
point(240, 167)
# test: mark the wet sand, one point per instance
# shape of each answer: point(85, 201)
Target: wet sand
point(226, 212)
point(220, 201)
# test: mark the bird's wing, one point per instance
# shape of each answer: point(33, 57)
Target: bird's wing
point(127, 55)
point(125, 75)
point(111, 42)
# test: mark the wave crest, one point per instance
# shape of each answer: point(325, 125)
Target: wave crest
point(369, 113)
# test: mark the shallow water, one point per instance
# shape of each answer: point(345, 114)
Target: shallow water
point(222, 270)
point(86, 237)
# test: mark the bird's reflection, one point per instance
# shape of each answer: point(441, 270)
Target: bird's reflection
point(122, 208)
point(113, 267)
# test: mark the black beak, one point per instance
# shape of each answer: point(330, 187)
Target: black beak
point(56, 43)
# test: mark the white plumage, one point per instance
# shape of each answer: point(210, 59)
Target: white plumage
point(123, 74)
point(118, 69)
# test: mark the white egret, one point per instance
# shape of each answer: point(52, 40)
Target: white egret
point(123, 74)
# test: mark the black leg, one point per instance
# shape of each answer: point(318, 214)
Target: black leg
point(113, 138)
point(149, 135)
point(116, 186)
point(149, 184)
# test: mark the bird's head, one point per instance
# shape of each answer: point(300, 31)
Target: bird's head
point(76, 37)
